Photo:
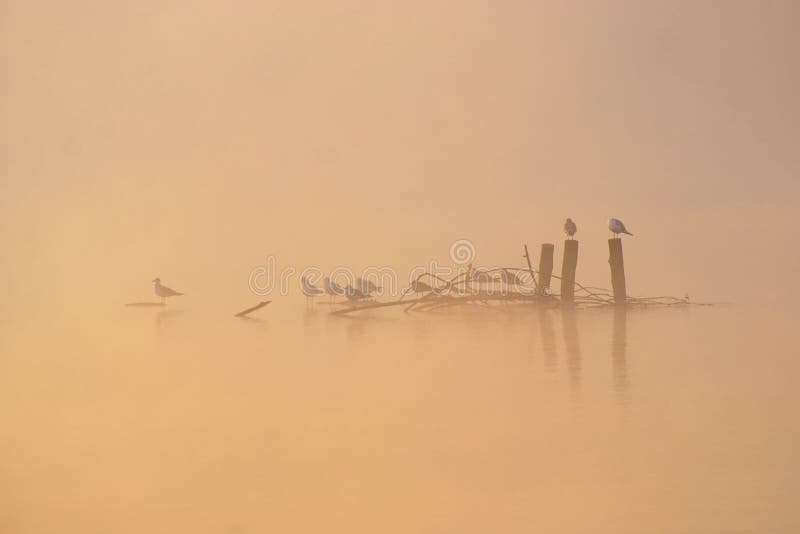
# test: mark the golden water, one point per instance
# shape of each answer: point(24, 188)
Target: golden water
point(511, 420)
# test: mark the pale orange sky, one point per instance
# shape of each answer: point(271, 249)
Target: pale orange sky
point(190, 140)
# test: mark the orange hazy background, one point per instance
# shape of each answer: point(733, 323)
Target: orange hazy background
point(192, 140)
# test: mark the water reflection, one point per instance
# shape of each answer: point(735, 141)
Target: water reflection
point(355, 327)
point(254, 321)
point(572, 345)
point(548, 341)
point(311, 315)
point(164, 316)
point(619, 343)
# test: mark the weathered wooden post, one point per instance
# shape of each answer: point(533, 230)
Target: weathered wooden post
point(617, 270)
point(568, 268)
point(545, 267)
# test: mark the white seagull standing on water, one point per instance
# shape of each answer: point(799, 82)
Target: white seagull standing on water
point(354, 294)
point(420, 288)
point(617, 227)
point(481, 276)
point(510, 279)
point(164, 291)
point(309, 289)
point(570, 228)
point(367, 286)
point(332, 288)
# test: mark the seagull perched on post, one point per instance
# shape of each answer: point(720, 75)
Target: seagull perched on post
point(332, 288)
point(309, 289)
point(617, 227)
point(164, 291)
point(570, 228)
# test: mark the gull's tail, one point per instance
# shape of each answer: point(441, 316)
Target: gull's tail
point(626, 232)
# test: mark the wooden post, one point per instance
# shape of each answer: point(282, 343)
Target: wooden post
point(617, 270)
point(545, 267)
point(568, 268)
point(530, 268)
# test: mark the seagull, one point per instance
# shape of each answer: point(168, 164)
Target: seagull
point(510, 279)
point(354, 294)
point(481, 276)
point(419, 287)
point(309, 289)
point(164, 291)
point(570, 228)
point(332, 288)
point(617, 227)
point(367, 286)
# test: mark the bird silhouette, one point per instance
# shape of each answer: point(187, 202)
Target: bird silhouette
point(367, 286)
point(354, 294)
point(570, 228)
point(309, 289)
point(510, 279)
point(164, 291)
point(332, 288)
point(617, 227)
point(420, 288)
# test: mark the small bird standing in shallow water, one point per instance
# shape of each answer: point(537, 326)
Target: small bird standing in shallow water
point(419, 287)
point(332, 288)
point(510, 279)
point(367, 286)
point(354, 294)
point(482, 276)
point(164, 291)
point(309, 289)
point(617, 227)
point(570, 228)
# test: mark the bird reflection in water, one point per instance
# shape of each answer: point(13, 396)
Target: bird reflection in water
point(165, 316)
point(311, 316)
point(619, 344)
point(356, 327)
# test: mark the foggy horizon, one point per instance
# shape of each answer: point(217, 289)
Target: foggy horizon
point(130, 153)
point(194, 142)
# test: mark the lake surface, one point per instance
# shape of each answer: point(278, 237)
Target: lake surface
point(511, 420)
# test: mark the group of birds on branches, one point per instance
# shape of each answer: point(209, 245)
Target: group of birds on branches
point(365, 289)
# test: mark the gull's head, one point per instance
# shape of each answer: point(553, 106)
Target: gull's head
point(569, 220)
point(156, 280)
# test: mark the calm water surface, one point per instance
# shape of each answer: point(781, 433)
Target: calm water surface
point(510, 420)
